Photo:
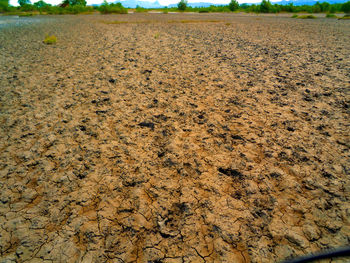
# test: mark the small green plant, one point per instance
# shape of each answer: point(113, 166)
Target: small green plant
point(331, 15)
point(346, 17)
point(295, 16)
point(156, 36)
point(50, 40)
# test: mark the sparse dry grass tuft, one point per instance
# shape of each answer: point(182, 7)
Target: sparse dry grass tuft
point(50, 40)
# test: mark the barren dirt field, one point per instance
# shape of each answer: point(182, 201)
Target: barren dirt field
point(174, 138)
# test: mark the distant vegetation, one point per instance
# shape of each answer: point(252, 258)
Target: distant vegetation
point(267, 7)
point(182, 5)
point(117, 8)
point(79, 6)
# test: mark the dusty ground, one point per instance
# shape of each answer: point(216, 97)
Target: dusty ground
point(159, 140)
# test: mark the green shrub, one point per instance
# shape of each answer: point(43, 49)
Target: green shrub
point(295, 16)
point(140, 9)
point(77, 9)
point(27, 8)
point(117, 8)
point(331, 16)
point(50, 40)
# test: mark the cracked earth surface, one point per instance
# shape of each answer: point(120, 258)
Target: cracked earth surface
point(168, 140)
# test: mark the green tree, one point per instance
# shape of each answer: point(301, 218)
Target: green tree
point(233, 5)
point(73, 3)
point(4, 4)
point(265, 6)
point(182, 5)
point(23, 2)
point(346, 7)
point(41, 4)
point(325, 7)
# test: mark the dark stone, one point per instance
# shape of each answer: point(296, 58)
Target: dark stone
point(147, 125)
point(275, 175)
point(168, 162)
point(320, 127)
point(237, 137)
point(231, 172)
point(161, 117)
point(161, 154)
point(111, 80)
point(291, 129)
point(326, 174)
point(307, 98)
point(183, 207)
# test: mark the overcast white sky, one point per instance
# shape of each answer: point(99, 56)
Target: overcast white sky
point(162, 2)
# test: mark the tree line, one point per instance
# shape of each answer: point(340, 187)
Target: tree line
point(267, 7)
point(79, 6)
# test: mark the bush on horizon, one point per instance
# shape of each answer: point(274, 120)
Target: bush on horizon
point(182, 5)
point(140, 9)
point(117, 8)
point(233, 5)
point(67, 3)
point(41, 4)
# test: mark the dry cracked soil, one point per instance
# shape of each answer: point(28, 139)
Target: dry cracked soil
point(174, 138)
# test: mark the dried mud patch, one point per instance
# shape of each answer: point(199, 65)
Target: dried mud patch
point(174, 142)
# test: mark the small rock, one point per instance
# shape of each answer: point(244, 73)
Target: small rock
point(147, 124)
point(311, 232)
point(296, 239)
